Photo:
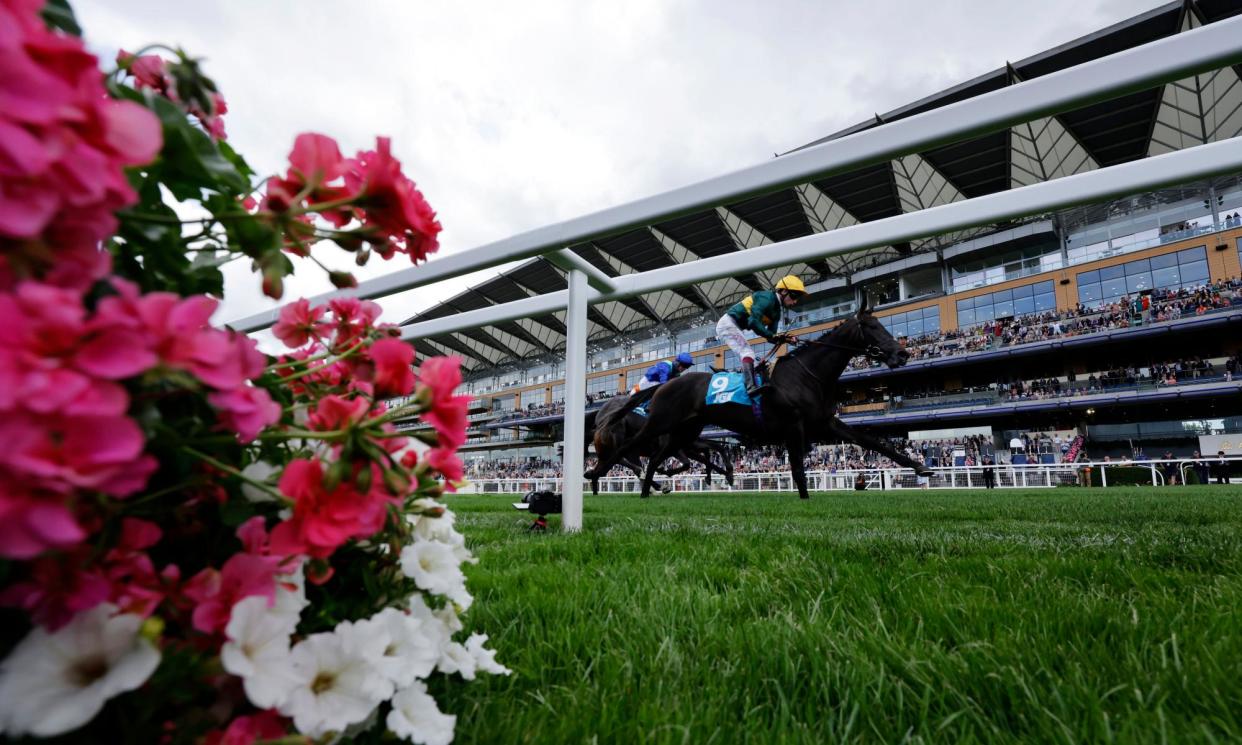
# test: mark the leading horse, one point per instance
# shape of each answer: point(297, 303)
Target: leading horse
point(798, 409)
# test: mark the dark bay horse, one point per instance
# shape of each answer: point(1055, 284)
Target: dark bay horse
point(799, 408)
point(615, 423)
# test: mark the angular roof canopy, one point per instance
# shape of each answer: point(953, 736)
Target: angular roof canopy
point(1198, 110)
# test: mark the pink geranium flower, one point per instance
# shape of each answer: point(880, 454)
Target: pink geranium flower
point(336, 412)
point(448, 464)
point(179, 333)
point(393, 373)
point(391, 205)
point(216, 592)
point(149, 71)
point(300, 323)
point(58, 589)
point(245, 410)
point(66, 145)
point(61, 454)
point(324, 519)
point(33, 522)
point(246, 730)
point(448, 411)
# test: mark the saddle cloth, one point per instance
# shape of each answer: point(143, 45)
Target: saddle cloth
point(727, 388)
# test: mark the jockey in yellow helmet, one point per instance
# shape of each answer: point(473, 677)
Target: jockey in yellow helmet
point(762, 313)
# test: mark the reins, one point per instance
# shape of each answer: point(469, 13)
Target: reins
point(871, 350)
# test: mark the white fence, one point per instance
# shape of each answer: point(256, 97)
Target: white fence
point(1031, 476)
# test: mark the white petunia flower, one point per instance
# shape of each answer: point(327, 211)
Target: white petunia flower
point(291, 595)
point(261, 471)
point(434, 567)
point(258, 651)
point(434, 625)
point(485, 659)
point(410, 650)
point(448, 615)
point(457, 659)
point(334, 688)
point(415, 716)
point(53, 683)
point(442, 529)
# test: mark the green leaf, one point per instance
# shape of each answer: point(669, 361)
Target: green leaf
point(191, 161)
point(58, 15)
point(236, 159)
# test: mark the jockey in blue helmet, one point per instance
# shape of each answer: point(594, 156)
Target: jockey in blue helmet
point(664, 371)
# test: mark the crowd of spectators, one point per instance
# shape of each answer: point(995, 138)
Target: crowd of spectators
point(1160, 305)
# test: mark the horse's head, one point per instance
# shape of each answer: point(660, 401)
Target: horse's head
point(879, 344)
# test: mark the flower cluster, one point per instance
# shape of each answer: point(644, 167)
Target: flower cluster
point(205, 543)
point(369, 202)
point(65, 147)
point(180, 82)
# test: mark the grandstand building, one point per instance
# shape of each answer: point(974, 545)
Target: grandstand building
point(1120, 322)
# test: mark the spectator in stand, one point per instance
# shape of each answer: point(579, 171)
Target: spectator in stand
point(1201, 468)
point(1222, 468)
point(1172, 475)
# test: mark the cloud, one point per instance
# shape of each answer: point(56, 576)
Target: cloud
point(514, 116)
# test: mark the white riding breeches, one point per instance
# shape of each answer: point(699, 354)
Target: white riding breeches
point(644, 384)
point(728, 332)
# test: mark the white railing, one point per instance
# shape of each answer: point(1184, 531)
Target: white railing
point(1173, 58)
point(1005, 476)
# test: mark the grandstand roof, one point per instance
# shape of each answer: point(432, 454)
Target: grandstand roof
point(1197, 110)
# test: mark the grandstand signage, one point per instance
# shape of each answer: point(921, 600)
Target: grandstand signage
point(1213, 444)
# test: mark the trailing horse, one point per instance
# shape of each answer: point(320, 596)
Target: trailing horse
point(616, 422)
point(799, 408)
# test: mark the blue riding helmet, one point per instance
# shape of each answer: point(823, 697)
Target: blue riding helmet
point(685, 359)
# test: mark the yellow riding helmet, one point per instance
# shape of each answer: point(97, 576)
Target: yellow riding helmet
point(790, 283)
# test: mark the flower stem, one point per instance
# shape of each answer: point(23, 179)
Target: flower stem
point(317, 368)
point(215, 463)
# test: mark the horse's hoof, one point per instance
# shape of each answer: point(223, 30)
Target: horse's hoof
point(804, 496)
point(666, 490)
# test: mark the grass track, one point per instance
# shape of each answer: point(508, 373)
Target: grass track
point(1059, 615)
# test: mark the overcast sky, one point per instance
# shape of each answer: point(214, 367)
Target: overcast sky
point(511, 115)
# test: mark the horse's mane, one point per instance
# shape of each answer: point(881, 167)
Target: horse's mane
point(845, 327)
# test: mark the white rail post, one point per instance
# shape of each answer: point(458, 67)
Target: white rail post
point(574, 451)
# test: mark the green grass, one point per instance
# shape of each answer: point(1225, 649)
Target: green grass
point(1061, 615)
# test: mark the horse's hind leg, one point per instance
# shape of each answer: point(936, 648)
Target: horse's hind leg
point(658, 423)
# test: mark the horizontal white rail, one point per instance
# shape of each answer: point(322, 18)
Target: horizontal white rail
point(1199, 50)
point(1084, 188)
point(1036, 475)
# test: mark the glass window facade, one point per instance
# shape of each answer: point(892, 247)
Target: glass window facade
point(1187, 268)
point(602, 384)
point(1018, 301)
point(913, 323)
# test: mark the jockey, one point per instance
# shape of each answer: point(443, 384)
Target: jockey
point(762, 313)
point(664, 371)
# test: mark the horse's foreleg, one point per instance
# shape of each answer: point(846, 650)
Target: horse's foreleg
point(870, 442)
point(652, 464)
point(795, 445)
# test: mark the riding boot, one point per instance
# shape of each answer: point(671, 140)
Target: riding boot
point(748, 374)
